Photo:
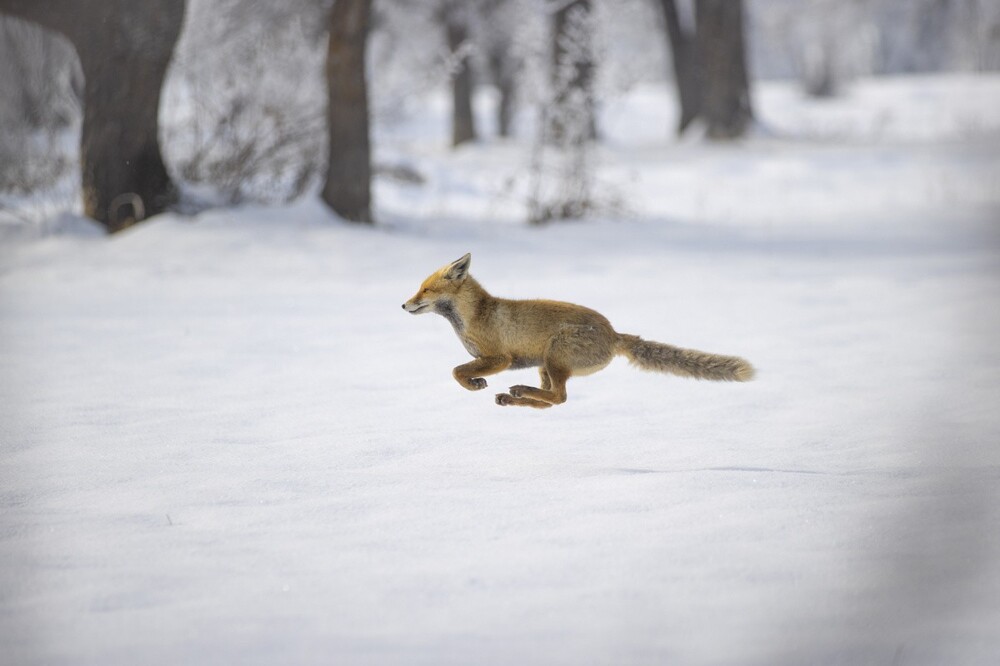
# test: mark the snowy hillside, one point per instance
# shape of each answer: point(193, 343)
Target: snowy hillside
point(222, 440)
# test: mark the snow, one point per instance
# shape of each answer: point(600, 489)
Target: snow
point(224, 442)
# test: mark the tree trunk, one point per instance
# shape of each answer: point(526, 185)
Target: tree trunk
point(502, 72)
point(347, 189)
point(725, 92)
point(504, 65)
point(572, 111)
point(456, 25)
point(685, 63)
point(124, 50)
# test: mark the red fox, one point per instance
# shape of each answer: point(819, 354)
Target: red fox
point(561, 339)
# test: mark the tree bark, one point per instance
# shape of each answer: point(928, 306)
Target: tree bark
point(572, 73)
point(456, 26)
point(725, 87)
point(685, 64)
point(501, 69)
point(124, 49)
point(347, 189)
point(503, 63)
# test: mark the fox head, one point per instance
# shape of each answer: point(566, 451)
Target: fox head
point(440, 289)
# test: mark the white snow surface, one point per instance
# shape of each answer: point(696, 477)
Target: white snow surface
point(223, 441)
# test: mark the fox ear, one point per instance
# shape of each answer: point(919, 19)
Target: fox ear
point(459, 269)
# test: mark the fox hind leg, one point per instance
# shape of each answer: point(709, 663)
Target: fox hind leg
point(543, 376)
point(554, 394)
point(506, 399)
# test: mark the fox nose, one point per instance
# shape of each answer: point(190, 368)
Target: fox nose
point(403, 306)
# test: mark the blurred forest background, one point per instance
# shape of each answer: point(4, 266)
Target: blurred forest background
point(222, 440)
point(268, 102)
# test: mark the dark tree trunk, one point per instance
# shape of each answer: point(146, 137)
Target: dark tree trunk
point(347, 189)
point(456, 26)
point(502, 71)
point(572, 73)
point(124, 49)
point(725, 92)
point(502, 17)
point(685, 62)
point(121, 99)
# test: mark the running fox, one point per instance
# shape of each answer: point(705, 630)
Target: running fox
point(561, 339)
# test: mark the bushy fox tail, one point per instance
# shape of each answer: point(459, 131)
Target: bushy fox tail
point(659, 357)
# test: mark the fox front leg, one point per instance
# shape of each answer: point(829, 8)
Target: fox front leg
point(470, 375)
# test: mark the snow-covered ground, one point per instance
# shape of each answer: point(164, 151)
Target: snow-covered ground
point(224, 442)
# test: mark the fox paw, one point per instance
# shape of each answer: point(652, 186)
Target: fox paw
point(475, 384)
point(504, 398)
point(518, 391)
